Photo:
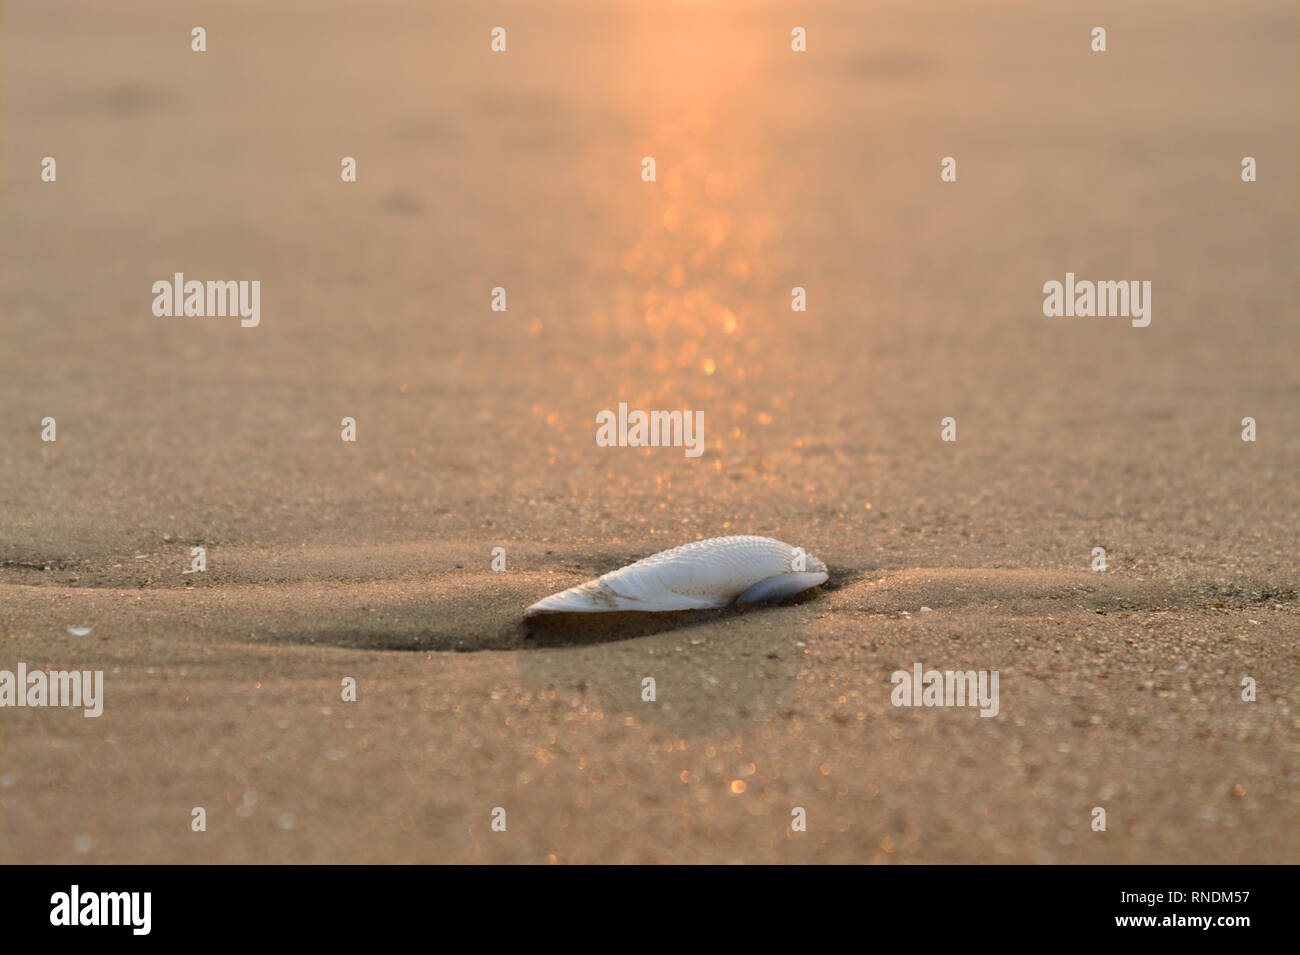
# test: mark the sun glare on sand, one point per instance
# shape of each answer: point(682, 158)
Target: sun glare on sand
point(699, 315)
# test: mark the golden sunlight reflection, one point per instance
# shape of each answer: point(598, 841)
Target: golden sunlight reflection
point(690, 307)
point(700, 321)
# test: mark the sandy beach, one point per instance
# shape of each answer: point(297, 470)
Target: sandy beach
point(370, 560)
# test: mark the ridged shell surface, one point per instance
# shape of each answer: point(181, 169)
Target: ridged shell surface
point(697, 576)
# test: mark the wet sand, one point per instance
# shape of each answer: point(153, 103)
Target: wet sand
point(371, 559)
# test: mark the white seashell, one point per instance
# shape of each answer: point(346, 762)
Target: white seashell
point(697, 576)
point(80, 631)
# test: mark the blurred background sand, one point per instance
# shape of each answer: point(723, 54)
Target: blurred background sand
point(475, 428)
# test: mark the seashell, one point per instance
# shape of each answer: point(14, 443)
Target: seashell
point(80, 631)
point(698, 576)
